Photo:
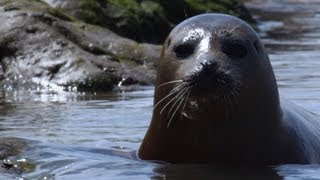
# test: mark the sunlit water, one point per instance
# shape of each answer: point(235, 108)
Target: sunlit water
point(74, 135)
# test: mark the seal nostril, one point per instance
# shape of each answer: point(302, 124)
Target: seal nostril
point(209, 66)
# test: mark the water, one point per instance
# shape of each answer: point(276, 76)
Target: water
point(72, 135)
point(74, 132)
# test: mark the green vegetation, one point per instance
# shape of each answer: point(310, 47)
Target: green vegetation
point(233, 7)
point(91, 11)
point(178, 10)
point(59, 14)
point(39, 1)
point(140, 20)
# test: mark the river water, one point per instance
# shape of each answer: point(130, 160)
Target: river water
point(75, 135)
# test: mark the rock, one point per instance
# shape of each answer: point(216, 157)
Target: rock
point(143, 21)
point(41, 44)
point(10, 150)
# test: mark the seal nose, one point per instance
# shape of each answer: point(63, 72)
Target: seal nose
point(209, 67)
point(207, 78)
point(207, 71)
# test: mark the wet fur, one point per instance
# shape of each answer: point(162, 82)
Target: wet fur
point(304, 126)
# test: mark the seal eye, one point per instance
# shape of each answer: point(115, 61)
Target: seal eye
point(234, 49)
point(182, 51)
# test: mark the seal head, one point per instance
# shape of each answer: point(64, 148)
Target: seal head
point(216, 97)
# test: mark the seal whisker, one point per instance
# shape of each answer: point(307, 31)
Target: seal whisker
point(178, 87)
point(178, 98)
point(186, 100)
point(170, 82)
point(236, 94)
point(172, 92)
point(234, 28)
point(233, 95)
point(169, 122)
point(229, 98)
point(178, 95)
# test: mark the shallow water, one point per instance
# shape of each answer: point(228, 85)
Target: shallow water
point(77, 134)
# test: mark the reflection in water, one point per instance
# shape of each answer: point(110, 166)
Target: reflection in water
point(75, 132)
point(60, 120)
point(299, 171)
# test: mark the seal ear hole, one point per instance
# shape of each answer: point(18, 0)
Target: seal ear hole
point(234, 49)
point(183, 51)
point(256, 46)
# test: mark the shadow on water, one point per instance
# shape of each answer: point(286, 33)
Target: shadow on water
point(186, 172)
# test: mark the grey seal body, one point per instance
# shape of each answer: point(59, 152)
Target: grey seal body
point(216, 100)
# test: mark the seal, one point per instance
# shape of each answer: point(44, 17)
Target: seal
point(216, 101)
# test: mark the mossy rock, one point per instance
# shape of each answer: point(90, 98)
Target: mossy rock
point(232, 7)
point(143, 21)
point(151, 20)
point(37, 6)
point(188, 8)
point(59, 14)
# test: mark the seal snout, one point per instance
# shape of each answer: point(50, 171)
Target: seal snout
point(209, 67)
point(208, 77)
